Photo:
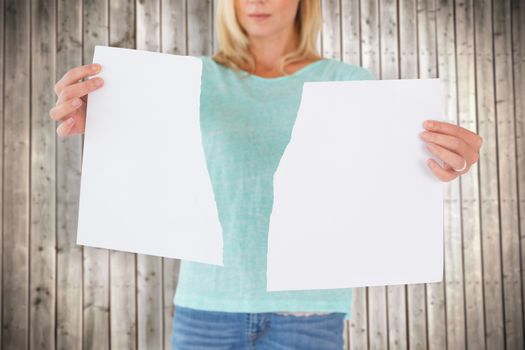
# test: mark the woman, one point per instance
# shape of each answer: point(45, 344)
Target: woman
point(267, 50)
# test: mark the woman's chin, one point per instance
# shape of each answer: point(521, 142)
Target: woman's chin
point(260, 29)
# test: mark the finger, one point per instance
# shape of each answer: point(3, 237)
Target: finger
point(64, 128)
point(79, 120)
point(64, 109)
point(453, 160)
point(473, 139)
point(75, 74)
point(80, 124)
point(441, 173)
point(452, 143)
point(80, 89)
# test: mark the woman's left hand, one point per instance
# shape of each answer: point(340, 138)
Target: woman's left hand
point(457, 147)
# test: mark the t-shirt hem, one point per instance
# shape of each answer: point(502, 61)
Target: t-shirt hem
point(251, 306)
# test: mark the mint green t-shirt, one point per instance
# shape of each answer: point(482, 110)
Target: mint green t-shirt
point(246, 123)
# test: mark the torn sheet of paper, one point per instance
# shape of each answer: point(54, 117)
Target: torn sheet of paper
point(145, 187)
point(355, 203)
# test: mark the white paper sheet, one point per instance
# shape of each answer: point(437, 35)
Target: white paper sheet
point(354, 202)
point(145, 187)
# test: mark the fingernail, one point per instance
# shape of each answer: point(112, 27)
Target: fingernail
point(95, 67)
point(428, 124)
point(70, 121)
point(76, 103)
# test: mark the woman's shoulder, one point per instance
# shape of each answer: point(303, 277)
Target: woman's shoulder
point(210, 61)
point(330, 69)
point(205, 60)
point(212, 67)
point(211, 70)
point(341, 70)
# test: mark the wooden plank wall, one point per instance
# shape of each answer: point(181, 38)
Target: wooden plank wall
point(55, 294)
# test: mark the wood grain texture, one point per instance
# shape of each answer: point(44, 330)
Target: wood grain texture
point(517, 21)
point(16, 176)
point(482, 191)
point(415, 17)
point(69, 262)
point(42, 254)
point(56, 294)
point(356, 334)
point(437, 326)
point(96, 269)
point(507, 169)
point(429, 67)
point(149, 268)
point(2, 94)
point(332, 45)
point(389, 43)
point(174, 25)
point(122, 265)
point(371, 59)
point(470, 185)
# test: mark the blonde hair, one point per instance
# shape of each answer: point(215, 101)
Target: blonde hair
point(233, 41)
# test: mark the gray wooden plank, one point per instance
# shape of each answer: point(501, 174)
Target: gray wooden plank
point(332, 36)
point(518, 60)
point(123, 325)
point(508, 185)
point(149, 302)
point(396, 295)
point(2, 62)
point(470, 48)
point(350, 36)
point(358, 325)
point(174, 27)
point(16, 190)
point(426, 19)
point(200, 39)
point(376, 296)
point(42, 297)
point(331, 29)
point(427, 44)
point(149, 268)
point(489, 196)
point(452, 285)
point(356, 328)
point(369, 23)
point(69, 288)
point(388, 39)
point(410, 28)
point(173, 42)
point(96, 321)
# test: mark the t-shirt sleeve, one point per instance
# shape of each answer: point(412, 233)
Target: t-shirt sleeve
point(349, 71)
point(361, 73)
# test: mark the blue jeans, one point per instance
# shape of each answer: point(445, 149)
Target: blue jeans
point(213, 330)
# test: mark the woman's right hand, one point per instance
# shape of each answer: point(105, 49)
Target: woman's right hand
point(71, 104)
